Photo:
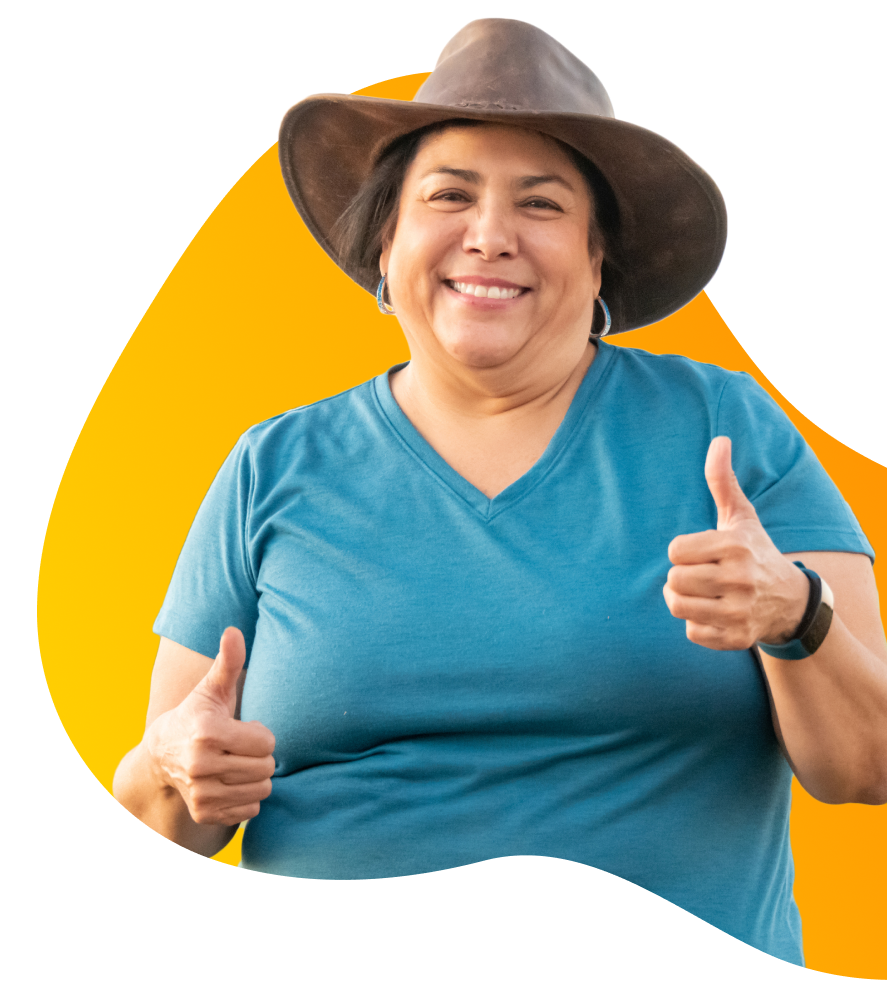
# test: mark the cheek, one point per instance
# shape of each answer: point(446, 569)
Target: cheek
point(567, 258)
point(413, 258)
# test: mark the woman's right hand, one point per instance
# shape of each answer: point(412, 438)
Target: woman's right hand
point(220, 766)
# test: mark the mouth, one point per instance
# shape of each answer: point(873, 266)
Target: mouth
point(494, 292)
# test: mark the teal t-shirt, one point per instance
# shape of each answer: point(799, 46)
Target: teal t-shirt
point(452, 678)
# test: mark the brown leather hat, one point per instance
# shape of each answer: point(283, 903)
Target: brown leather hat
point(672, 220)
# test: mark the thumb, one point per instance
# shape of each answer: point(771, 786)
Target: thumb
point(729, 498)
point(221, 681)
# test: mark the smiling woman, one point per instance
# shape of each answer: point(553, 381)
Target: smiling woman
point(369, 221)
point(478, 615)
point(487, 211)
point(517, 219)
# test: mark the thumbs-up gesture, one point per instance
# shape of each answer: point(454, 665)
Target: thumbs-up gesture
point(731, 585)
point(220, 766)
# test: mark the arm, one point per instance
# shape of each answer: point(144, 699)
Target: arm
point(830, 709)
point(734, 588)
point(198, 771)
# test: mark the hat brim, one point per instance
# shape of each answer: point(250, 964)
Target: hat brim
point(673, 222)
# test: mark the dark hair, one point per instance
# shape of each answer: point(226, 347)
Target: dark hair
point(363, 227)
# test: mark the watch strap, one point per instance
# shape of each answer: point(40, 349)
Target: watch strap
point(813, 627)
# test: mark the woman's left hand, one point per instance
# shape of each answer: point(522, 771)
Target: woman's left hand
point(732, 585)
point(734, 588)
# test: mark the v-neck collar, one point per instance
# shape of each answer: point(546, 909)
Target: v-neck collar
point(448, 476)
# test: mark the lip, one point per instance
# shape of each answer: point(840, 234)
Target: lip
point(486, 303)
point(486, 282)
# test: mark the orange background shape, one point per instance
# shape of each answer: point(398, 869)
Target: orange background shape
point(253, 320)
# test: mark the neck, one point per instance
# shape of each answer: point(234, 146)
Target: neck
point(425, 388)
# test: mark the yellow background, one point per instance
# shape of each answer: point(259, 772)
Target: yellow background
point(253, 320)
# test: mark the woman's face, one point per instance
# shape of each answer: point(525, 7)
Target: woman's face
point(486, 211)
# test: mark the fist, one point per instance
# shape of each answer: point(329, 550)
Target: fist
point(220, 766)
point(731, 585)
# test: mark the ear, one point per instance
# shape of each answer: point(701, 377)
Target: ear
point(387, 240)
point(597, 260)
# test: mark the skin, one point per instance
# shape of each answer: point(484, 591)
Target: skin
point(488, 384)
point(198, 771)
point(733, 587)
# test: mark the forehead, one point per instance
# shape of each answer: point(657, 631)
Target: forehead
point(492, 147)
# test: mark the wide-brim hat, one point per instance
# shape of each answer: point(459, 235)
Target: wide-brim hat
point(672, 223)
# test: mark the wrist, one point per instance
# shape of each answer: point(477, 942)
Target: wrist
point(814, 625)
point(792, 610)
point(153, 745)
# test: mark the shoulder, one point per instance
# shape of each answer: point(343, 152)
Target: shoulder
point(669, 365)
point(307, 442)
point(676, 379)
point(733, 403)
point(347, 424)
point(327, 416)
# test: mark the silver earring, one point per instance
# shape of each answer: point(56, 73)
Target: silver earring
point(384, 306)
point(608, 321)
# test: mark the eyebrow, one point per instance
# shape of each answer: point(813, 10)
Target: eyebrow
point(531, 181)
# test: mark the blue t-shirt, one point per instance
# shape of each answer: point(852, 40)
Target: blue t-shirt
point(452, 678)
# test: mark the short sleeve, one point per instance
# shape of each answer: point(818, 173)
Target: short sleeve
point(796, 501)
point(213, 585)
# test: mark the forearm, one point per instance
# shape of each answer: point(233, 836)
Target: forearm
point(831, 712)
point(138, 787)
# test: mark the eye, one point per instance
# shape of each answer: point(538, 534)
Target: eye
point(450, 195)
point(545, 203)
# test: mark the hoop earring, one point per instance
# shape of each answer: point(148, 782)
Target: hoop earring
point(608, 321)
point(384, 306)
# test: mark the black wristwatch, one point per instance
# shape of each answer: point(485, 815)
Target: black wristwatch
point(813, 627)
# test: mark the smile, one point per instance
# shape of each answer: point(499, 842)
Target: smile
point(479, 290)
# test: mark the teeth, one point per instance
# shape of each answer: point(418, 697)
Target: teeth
point(496, 293)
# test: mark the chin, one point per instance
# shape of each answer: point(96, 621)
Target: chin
point(481, 353)
point(479, 358)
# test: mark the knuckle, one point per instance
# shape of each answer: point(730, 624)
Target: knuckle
point(188, 771)
point(737, 617)
point(733, 612)
point(240, 813)
point(681, 608)
point(204, 734)
point(675, 547)
point(194, 764)
point(200, 803)
point(733, 548)
point(744, 585)
point(201, 813)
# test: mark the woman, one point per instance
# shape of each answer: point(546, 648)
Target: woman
point(450, 580)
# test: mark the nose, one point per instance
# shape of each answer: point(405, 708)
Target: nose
point(491, 232)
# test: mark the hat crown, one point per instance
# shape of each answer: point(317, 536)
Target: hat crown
point(509, 65)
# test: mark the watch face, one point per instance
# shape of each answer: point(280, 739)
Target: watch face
point(814, 637)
